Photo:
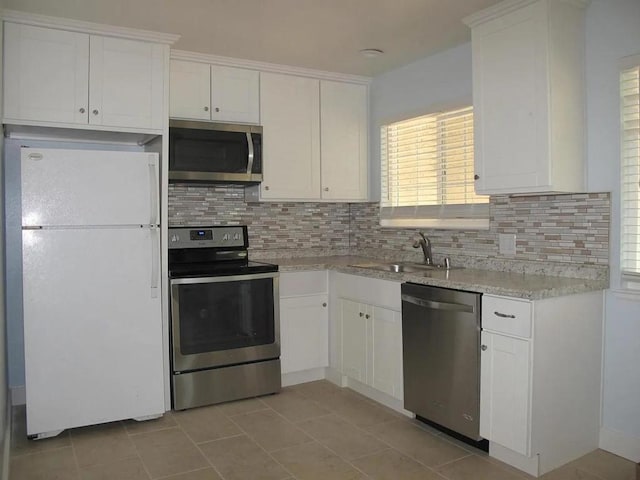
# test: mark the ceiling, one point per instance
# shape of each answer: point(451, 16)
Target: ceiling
point(318, 34)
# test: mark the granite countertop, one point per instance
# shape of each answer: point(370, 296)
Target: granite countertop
point(519, 285)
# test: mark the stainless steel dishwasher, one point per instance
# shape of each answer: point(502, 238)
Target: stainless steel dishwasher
point(441, 355)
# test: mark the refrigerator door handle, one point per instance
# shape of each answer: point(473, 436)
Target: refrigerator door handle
point(153, 189)
point(155, 252)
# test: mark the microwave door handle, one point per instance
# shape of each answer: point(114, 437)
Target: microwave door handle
point(250, 156)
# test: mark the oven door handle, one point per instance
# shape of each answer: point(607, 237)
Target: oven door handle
point(224, 278)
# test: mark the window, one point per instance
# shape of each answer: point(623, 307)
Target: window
point(427, 173)
point(630, 168)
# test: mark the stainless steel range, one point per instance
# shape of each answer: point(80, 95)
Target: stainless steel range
point(225, 326)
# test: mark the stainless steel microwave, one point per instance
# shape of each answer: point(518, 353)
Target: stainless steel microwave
point(207, 152)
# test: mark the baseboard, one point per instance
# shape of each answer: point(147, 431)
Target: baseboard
point(380, 397)
point(530, 465)
point(18, 395)
point(620, 443)
point(294, 378)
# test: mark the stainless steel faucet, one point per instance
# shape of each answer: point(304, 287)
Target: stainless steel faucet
point(425, 243)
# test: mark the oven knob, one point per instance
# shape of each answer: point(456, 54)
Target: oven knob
point(174, 238)
point(225, 237)
point(236, 236)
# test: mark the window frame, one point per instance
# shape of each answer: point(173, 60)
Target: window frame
point(469, 216)
point(630, 279)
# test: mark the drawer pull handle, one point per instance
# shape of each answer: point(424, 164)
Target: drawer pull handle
point(503, 315)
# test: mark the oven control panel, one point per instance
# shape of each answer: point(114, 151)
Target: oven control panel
point(208, 237)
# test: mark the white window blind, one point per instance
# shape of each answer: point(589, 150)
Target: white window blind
point(427, 173)
point(630, 153)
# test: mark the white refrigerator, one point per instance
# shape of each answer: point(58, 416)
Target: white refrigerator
point(91, 288)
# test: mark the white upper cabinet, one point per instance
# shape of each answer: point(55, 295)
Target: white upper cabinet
point(190, 90)
point(528, 97)
point(343, 127)
point(66, 78)
point(210, 92)
point(290, 110)
point(235, 95)
point(126, 83)
point(315, 135)
point(46, 74)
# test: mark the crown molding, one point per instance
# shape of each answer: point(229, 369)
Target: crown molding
point(88, 27)
point(508, 6)
point(267, 67)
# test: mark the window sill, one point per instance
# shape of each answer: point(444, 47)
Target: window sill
point(438, 223)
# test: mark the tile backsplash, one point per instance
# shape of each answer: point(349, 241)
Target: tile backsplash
point(549, 228)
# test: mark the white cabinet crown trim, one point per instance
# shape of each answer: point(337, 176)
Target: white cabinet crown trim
point(508, 6)
point(88, 27)
point(268, 67)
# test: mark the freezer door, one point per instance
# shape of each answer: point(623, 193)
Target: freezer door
point(88, 187)
point(92, 327)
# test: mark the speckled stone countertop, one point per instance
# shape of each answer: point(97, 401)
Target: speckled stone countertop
point(519, 285)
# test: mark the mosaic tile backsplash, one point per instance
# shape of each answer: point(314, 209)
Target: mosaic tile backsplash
point(549, 228)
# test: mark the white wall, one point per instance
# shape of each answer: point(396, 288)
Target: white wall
point(613, 32)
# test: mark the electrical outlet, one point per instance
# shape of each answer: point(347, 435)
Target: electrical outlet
point(507, 243)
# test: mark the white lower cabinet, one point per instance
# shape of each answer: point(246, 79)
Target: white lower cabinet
point(540, 379)
point(304, 321)
point(366, 325)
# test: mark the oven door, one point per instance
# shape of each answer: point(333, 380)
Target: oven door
point(228, 320)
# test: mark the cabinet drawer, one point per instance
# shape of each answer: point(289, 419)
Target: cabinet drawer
point(303, 283)
point(507, 315)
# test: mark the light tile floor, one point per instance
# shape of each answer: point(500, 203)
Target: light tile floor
point(310, 431)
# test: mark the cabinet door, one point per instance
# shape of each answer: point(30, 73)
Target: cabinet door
point(304, 333)
point(290, 113)
point(46, 74)
point(343, 123)
point(235, 95)
point(510, 103)
point(384, 362)
point(126, 83)
point(190, 90)
point(354, 340)
point(505, 391)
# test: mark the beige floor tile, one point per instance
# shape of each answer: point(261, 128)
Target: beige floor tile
point(134, 427)
point(167, 452)
point(295, 407)
point(342, 437)
point(104, 443)
point(391, 465)
point(129, 469)
point(426, 448)
point(206, 474)
point(474, 467)
point(240, 458)
point(360, 412)
point(21, 445)
point(569, 472)
point(206, 423)
point(58, 464)
point(316, 389)
point(607, 466)
point(270, 430)
point(241, 407)
point(313, 461)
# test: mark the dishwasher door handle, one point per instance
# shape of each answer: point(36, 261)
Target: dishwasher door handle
point(434, 305)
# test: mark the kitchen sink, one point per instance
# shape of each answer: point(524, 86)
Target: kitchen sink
point(400, 267)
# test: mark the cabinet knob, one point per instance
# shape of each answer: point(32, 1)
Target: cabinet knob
point(96, 112)
point(82, 110)
point(366, 316)
point(483, 347)
point(206, 109)
point(324, 304)
point(217, 109)
point(266, 187)
point(326, 189)
point(476, 177)
point(361, 314)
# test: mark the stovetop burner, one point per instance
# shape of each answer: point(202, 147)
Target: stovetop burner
point(212, 251)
